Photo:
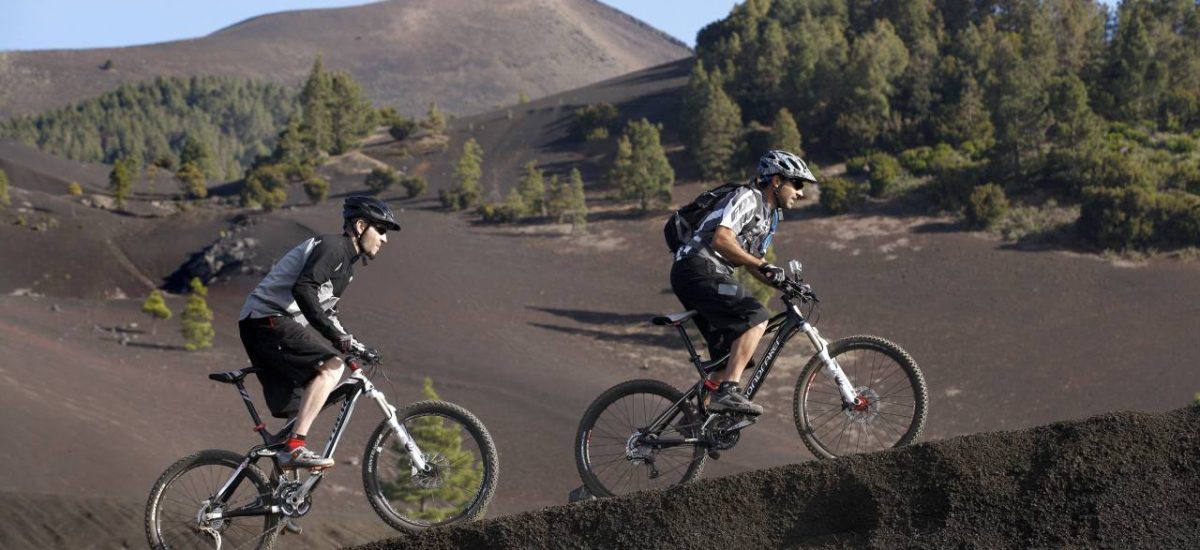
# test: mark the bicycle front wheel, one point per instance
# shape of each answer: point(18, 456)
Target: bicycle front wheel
point(463, 468)
point(186, 493)
point(617, 454)
point(890, 413)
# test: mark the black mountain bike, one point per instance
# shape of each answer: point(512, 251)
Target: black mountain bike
point(857, 394)
point(430, 463)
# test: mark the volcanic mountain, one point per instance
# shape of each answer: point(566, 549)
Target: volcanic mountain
point(467, 55)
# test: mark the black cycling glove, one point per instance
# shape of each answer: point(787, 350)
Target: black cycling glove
point(773, 273)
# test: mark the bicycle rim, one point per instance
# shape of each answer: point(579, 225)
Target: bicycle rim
point(186, 492)
point(892, 415)
point(616, 457)
point(463, 464)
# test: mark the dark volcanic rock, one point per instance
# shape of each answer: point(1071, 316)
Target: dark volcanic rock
point(232, 252)
point(1112, 481)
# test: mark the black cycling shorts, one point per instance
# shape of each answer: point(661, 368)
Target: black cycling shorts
point(727, 309)
point(290, 355)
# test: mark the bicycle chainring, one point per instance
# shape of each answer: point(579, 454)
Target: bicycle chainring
point(719, 431)
point(291, 503)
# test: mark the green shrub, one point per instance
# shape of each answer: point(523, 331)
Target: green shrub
point(317, 189)
point(594, 122)
point(414, 185)
point(381, 179)
point(74, 189)
point(884, 169)
point(266, 187)
point(987, 206)
point(1117, 218)
point(1177, 218)
point(839, 195)
point(856, 166)
point(916, 160)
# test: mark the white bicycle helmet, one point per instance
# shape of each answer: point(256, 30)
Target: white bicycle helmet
point(785, 164)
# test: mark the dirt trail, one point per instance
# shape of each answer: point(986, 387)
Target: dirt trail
point(1118, 480)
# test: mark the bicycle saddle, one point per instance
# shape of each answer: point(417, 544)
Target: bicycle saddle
point(233, 376)
point(674, 318)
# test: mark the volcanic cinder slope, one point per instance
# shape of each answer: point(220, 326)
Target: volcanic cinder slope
point(1120, 480)
point(467, 55)
point(525, 325)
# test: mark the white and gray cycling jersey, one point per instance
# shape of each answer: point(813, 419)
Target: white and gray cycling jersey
point(747, 214)
point(306, 284)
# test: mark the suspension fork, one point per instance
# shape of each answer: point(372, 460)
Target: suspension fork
point(832, 369)
point(406, 441)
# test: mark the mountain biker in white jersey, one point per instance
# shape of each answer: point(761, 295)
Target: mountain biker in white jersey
point(737, 232)
point(302, 290)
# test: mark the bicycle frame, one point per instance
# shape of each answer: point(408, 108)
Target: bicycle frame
point(783, 325)
point(347, 393)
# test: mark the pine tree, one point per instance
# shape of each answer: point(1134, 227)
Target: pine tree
point(351, 114)
point(784, 133)
point(716, 134)
point(315, 97)
point(877, 59)
point(197, 152)
point(120, 179)
point(556, 198)
point(5, 199)
point(532, 188)
point(641, 171)
point(467, 171)
point(197, 318)
point(156, 307)
point(576, 211)
point(191, 177)
point(444, 440)
point(435, 119)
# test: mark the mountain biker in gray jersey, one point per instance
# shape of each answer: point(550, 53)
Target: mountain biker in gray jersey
point(301, 291)
point(737, 232)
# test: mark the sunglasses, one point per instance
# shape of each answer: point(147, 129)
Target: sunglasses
point(381, 229)
point(796, 182)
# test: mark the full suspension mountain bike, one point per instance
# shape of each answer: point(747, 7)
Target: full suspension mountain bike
point(856, 394)
point(429, 463)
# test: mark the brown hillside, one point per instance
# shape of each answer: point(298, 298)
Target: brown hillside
point(467, 55)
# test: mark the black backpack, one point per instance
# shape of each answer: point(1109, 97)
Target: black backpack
point(683, 222)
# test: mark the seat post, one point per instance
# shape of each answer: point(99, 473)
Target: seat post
point(687, 341)
point(258, 423)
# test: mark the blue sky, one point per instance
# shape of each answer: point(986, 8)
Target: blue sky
point(53, 24)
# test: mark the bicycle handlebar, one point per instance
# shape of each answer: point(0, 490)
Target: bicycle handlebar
point(797, 289)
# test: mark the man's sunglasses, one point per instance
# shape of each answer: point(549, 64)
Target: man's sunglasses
point(381, 229)
point(796, 182)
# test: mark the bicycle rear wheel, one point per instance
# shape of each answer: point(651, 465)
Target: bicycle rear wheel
point(611, 452)
point(464, 461)
point(892, 413)
point(185, 493)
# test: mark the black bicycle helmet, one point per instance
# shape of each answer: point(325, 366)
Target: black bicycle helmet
point(370, 209)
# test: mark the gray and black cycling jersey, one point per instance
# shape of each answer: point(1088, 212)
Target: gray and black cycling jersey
point(306, 284)
point(747, 214)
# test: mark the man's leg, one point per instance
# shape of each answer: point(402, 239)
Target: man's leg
point(740, 353)
point(328, 376)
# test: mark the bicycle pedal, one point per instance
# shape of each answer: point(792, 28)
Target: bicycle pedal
point(293, 527)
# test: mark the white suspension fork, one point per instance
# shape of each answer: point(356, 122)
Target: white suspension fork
point(406, 441)
point(832, 369)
